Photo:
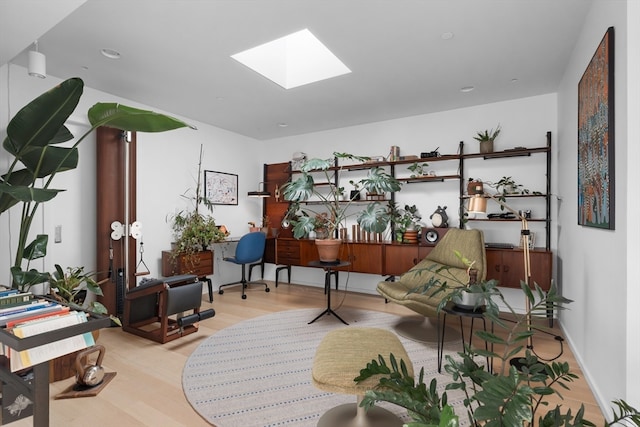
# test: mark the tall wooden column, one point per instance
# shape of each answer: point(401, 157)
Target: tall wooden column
point(110, 171)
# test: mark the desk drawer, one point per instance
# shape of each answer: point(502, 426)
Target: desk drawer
point(288, 252)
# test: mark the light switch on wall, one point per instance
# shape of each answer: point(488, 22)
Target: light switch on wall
point(58, 234)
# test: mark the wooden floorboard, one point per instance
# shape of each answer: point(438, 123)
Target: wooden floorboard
point(147, 390)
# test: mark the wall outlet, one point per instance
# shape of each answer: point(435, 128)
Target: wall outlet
point(58, 234)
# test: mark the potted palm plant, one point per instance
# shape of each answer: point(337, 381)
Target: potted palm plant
point(33, 142)
point(327, 195)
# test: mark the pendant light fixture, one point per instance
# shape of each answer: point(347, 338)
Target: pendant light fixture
point(260, 193)
point(37, 63)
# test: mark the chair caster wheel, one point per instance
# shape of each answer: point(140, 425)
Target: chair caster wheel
point(267, 290)
point(221, 292)
point(244, 297)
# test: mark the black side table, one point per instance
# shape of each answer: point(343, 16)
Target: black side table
point(454, 310)
point(329, 269)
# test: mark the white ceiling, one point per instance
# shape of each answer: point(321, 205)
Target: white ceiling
point(176, 54)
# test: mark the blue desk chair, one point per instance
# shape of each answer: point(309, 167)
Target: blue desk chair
point(250, 249)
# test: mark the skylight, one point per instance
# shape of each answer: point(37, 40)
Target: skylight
point(294, 60)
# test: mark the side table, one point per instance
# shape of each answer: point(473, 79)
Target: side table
point(454, 310)
point(329, 270)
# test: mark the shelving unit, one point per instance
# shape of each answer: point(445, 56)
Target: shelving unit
point(527, 152)
point(503, 264)
point(37, 390)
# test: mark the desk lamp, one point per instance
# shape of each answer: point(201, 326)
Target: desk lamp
point(259, 193)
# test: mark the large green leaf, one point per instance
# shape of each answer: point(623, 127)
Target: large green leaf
point(40, 121)
point(374, 218)
point(132, 119)
point(37, 248)
point(299, 190)
point(25, 194)
point(23, 280)
point(50, 159)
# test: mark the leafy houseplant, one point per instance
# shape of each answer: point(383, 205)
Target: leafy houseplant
point(71, 288)
point(192, 230)
point(374, 217)
point(418, 169)
point(33, 138)
point(508, 186)
point(404, 219)
point(486, 138)
point(510, 397)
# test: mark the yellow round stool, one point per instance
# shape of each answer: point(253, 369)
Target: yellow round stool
point(341, 355)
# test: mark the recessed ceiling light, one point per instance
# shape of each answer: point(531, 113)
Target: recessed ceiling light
point(447, 36)
point(514, 80)
point(282, 125)
point(110, 53)
point(294, 60)
point(467, 89)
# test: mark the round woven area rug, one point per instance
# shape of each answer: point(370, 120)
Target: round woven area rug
point(257, 373)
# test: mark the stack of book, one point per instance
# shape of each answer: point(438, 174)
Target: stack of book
point(25, 315)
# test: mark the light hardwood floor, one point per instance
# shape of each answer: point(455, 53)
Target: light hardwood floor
point(147, 390)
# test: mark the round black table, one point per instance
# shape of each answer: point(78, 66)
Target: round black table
point(454, 310)
point(329, 269)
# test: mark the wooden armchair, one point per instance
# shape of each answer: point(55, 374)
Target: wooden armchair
point(148, 308)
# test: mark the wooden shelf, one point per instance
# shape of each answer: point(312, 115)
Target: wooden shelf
point(507, 153)
point(436, 178)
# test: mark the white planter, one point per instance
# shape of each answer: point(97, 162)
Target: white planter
point(468, 300)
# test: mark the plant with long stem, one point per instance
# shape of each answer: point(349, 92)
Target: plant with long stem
point(33, 138)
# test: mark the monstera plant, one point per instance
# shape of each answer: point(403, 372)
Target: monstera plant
point(33, 141)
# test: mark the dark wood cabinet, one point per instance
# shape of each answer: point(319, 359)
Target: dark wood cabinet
point(507, 267)
point(199, 264)
point(399, 258)
point(364, 257)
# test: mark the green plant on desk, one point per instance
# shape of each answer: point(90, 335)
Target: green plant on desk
point(510, 397)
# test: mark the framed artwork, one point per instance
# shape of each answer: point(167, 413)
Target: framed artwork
point(596, 173)
point(221, 188)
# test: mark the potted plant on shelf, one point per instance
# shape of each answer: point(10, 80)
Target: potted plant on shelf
point(404, 220)
point(33, 141)
point(304, 190)
point(486, 138)
point(418, 169)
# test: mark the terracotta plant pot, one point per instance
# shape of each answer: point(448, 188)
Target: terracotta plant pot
point(328, 249)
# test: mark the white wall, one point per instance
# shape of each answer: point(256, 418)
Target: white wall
point(525, 122)
point(167, 167)
point(593, 262)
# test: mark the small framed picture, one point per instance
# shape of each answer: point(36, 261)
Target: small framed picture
point(221, 188)
point(532, 240)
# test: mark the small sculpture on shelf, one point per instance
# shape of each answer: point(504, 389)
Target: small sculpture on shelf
point(439, 218)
